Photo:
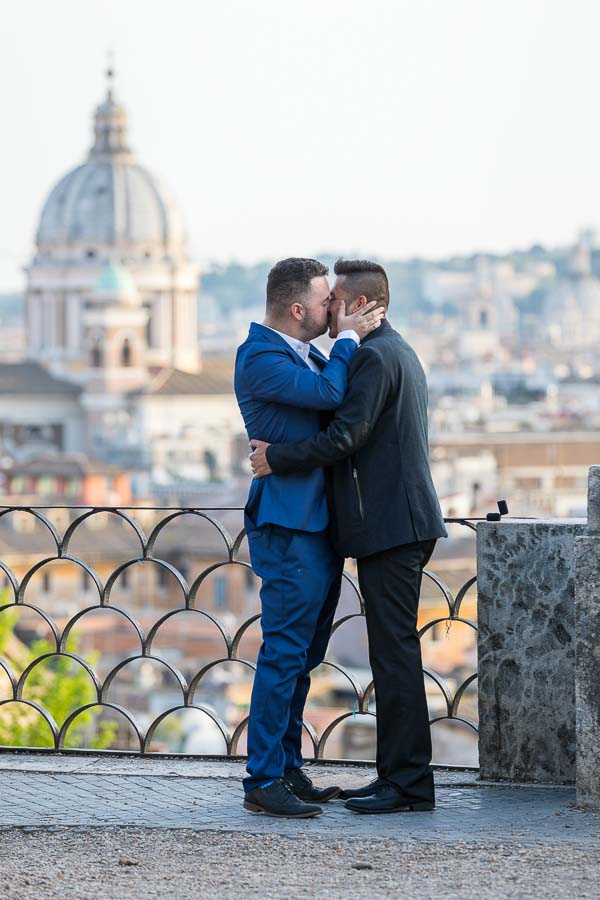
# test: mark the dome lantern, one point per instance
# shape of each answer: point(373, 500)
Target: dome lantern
point(110, 125)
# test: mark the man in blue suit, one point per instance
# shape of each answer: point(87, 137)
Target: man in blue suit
point(285, 387)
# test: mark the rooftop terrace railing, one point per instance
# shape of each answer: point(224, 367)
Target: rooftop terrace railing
point(135, 629)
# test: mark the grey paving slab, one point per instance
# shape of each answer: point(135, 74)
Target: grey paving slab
point(466, 811)
point(344, 774)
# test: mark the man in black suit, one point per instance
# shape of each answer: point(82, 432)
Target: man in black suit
point(386, 515)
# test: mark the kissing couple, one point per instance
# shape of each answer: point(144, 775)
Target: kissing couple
point(340, 458)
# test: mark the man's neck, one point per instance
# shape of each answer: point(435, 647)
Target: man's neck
point(284, 328)
point(383, 329)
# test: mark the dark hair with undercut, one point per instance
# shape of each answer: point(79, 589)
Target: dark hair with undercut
point(364, 277)
point(289, 282)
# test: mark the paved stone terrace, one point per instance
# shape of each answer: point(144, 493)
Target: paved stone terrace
point(180, 823)
point(86, 791)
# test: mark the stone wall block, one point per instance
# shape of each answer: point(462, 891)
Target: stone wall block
point(587, 670)
point(594, 500)
point(526, 602)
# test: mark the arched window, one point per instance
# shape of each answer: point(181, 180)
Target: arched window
point(96, 355)
point(126, 353)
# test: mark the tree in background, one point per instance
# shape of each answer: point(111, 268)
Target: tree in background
point(59, 685)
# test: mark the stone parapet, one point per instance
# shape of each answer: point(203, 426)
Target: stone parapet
point(587, 670)
point(527, 639)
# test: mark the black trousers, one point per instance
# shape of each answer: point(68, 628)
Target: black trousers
point(390, 583)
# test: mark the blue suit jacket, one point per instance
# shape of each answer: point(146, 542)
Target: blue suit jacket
point(281, 399)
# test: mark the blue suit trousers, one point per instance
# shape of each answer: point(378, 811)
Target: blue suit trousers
point(301, 579)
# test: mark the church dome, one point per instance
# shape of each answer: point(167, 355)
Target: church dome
point(110, 199)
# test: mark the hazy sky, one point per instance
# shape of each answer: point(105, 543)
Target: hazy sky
point(394, 127)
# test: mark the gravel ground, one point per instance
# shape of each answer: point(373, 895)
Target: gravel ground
point(116, 863)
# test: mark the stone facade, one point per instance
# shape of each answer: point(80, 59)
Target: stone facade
point(527, 638)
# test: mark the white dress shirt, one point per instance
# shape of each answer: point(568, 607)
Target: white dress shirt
point(303, 349)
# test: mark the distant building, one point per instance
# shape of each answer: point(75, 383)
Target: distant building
point(572, 306)
point(486, 299)
point(113, 367)
point(543, 473)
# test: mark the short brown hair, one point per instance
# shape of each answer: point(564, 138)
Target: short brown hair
point(365, 277)
point(289, 281)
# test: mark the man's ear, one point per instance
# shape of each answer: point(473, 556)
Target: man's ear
point(297, 311)
point(358, 303)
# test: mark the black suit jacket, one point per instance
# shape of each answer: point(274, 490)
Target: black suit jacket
point(377, 445)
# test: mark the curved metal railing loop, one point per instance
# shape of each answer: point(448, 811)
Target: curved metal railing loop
point(201, 578)
point(46, 716)
point(462, 593)
point(238, 731)
point(203, 709)
point(339, 622)
point(40, 612)
point(235, 643)
point(207, 668)
point(443, 587)
point(162, 563)
point(237, 544)
point(358, 691)
point(449, 620)
point(52, 559)
point(441, 683)
point(189, 512)
point(460, 691)
point(314, 739)
point(64, 730)
point(351, 580)
point(41, 518)
point(22, 682)
point(110, 676)
point(153, 633)
point(473, 725)
point(113, 510)
point(12, 678)
point(333, 725)
point(113, 609)
point(12, 578)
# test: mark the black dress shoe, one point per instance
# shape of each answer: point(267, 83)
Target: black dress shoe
point(388, 799)
point(304, 789)
point(366, 791)
point(278, 800)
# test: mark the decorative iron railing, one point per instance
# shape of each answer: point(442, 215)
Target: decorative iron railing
point(183, 641)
